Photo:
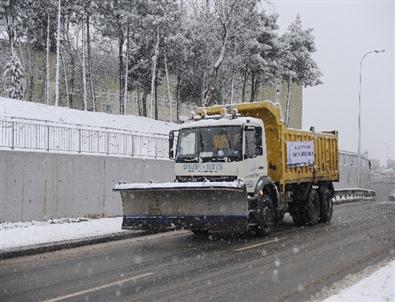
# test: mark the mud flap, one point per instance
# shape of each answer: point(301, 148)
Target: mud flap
point(215, 206)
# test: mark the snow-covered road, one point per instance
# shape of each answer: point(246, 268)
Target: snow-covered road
point(376, 286)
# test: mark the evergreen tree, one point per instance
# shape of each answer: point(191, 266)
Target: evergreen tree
point(113, 18)
point(13, 76)
point(298, 65)
point(258, 53)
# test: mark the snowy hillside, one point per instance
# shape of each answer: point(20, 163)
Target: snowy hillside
point(10, 108)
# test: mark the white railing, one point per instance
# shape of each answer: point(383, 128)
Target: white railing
point(79, 139)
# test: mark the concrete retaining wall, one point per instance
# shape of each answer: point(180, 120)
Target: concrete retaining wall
point(40, 186)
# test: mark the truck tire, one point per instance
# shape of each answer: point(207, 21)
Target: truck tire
point(266, 216)
point(298, 216)
point(280, 216)
point(312, 208)
point(308, 212)
point(326, 204)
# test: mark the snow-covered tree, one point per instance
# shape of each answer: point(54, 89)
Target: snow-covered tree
point(205, 52)
point(257, 53)
point(78, 14)
point(226, 13)
point(298, 65)
point(268, 67)
point(10, 16)
point(13, 76)
point(113, 18)
point(164, 18)
point(228, 43)
point(150, 38)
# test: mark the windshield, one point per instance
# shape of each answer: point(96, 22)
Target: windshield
point(209, 144)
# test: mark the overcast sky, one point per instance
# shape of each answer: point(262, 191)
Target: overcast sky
point(345, 31)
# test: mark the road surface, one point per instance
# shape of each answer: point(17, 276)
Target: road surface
point(290, 265)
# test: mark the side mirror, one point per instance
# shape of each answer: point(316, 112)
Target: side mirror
point(171, 144)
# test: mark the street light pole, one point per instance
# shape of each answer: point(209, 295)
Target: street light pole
point(359, 112)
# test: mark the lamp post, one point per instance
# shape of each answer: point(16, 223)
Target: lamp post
point(359, 112)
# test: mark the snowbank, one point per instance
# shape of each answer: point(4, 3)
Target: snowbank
point(10, 108)
point(20, 234)
point(379, 286)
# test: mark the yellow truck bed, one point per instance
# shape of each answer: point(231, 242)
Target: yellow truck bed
point(283, 143)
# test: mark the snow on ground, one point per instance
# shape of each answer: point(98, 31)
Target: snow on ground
point(10, 108)
point(20, 234)
point(378, 287)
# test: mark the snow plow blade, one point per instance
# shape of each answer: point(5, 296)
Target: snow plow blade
point(212, 206)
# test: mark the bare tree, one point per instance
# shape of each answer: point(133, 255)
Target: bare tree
point(89, 54)
point(83, 42)
point(57, 57)
point(168, 90)
point(154, 61)
point(125, 99)
point(47, 67)
point(65, 79)
point(225, 14)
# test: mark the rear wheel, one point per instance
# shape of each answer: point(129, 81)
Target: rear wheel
point(326, 204)
point(313, 207)
point(266, 217)
point(298, 217)
point(308, 211)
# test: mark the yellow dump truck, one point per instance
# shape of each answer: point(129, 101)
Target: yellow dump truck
point(238, 168)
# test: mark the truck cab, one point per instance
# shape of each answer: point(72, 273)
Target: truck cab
point(220, 148)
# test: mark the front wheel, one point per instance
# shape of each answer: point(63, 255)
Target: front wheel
point(266, 217)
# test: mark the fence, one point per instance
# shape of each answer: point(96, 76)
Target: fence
point(74, 138)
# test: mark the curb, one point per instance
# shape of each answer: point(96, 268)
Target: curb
point(59, 245)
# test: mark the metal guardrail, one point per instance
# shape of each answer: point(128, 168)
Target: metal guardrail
point(351, 195)
point(79, 139)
